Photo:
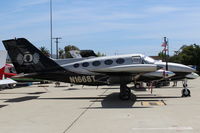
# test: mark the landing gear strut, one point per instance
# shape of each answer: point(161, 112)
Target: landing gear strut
point(185, 91)
point(125, 92)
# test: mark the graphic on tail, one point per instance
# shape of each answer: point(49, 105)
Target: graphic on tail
point(27, 58)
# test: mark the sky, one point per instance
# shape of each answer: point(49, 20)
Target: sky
point(108, 26)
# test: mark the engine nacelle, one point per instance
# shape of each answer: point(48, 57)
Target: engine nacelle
point(120, 79)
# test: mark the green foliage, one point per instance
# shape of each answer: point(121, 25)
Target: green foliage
point(61, 54)
point(64, 53)
point(162, 56)
point(100, 54)
point(188, 55)
point(175, 58)
point(45, 51)
point(69, 48)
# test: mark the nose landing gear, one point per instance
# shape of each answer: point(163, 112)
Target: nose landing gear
point(185, 91)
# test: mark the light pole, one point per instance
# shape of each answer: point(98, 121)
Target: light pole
point(57, 38)
point(51, 28)
point(166, 51)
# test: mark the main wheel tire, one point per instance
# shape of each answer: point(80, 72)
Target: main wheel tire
point(125, 94)
point(185, 93)
point(137, 86)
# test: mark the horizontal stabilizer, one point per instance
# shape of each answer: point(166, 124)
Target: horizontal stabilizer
point(7, 81)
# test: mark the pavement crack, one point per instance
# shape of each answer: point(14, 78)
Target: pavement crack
point(84, 111)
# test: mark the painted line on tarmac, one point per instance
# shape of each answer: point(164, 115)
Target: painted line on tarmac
point(83, 112)
point(167, 128)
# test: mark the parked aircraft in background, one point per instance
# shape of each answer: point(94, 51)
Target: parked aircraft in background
point(4, 77)
point(10, 72)
point(107, 70)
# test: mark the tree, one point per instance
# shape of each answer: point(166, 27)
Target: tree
point(162, 55)
point(100, 54)
point(188, 55)
point(69, 48)
point(191, 55)
point(61, 53)
point(45, 51)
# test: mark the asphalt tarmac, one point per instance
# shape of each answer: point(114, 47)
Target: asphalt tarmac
point(66, 109)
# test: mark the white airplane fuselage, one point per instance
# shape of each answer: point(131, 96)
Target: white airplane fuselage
point(126, 66)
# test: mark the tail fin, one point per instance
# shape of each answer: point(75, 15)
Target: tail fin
point(27, 58)
point(3, 55)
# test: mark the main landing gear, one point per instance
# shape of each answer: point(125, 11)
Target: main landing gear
point(185, 91)
point(125, 92)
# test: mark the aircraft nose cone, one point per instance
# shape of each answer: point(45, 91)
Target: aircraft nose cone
point(175, 67)
point(185, 68)
point(192, 75)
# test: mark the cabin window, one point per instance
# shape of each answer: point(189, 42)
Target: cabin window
point(76, 65)
point(96, 63)
point(136, 60)
point(108, 62)
point(85, 64)
point(120, 61)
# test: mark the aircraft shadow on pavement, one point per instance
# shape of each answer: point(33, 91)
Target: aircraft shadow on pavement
point(22, 99)
point(33, 93)
point(60, 86)
point(1, 106)
point(71, 98)
point(113, 101)
point(71, 89)
point(111, 88)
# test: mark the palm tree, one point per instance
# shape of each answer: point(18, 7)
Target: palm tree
point(45, 51)
point(61, 53)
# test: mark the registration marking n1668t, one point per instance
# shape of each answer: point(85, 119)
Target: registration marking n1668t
point(82, 79)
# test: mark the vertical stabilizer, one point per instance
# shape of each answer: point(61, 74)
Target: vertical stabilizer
point(27, 58)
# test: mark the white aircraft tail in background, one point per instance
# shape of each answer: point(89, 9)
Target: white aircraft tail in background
point(75, 54)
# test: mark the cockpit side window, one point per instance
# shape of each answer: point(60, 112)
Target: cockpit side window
point(136, 60)
point(149, 60)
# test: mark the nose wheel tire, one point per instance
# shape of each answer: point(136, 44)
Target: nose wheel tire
point(185, 93)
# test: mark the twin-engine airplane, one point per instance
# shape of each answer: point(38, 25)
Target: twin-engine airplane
point(108, 70)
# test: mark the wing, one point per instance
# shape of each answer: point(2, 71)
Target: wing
point(132, 69)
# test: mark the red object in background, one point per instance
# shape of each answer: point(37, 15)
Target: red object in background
point(7, 74)
point(165, 49)
point(164, 44)
point(2, 72)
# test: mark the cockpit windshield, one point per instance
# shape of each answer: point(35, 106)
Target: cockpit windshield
point(149, 60)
